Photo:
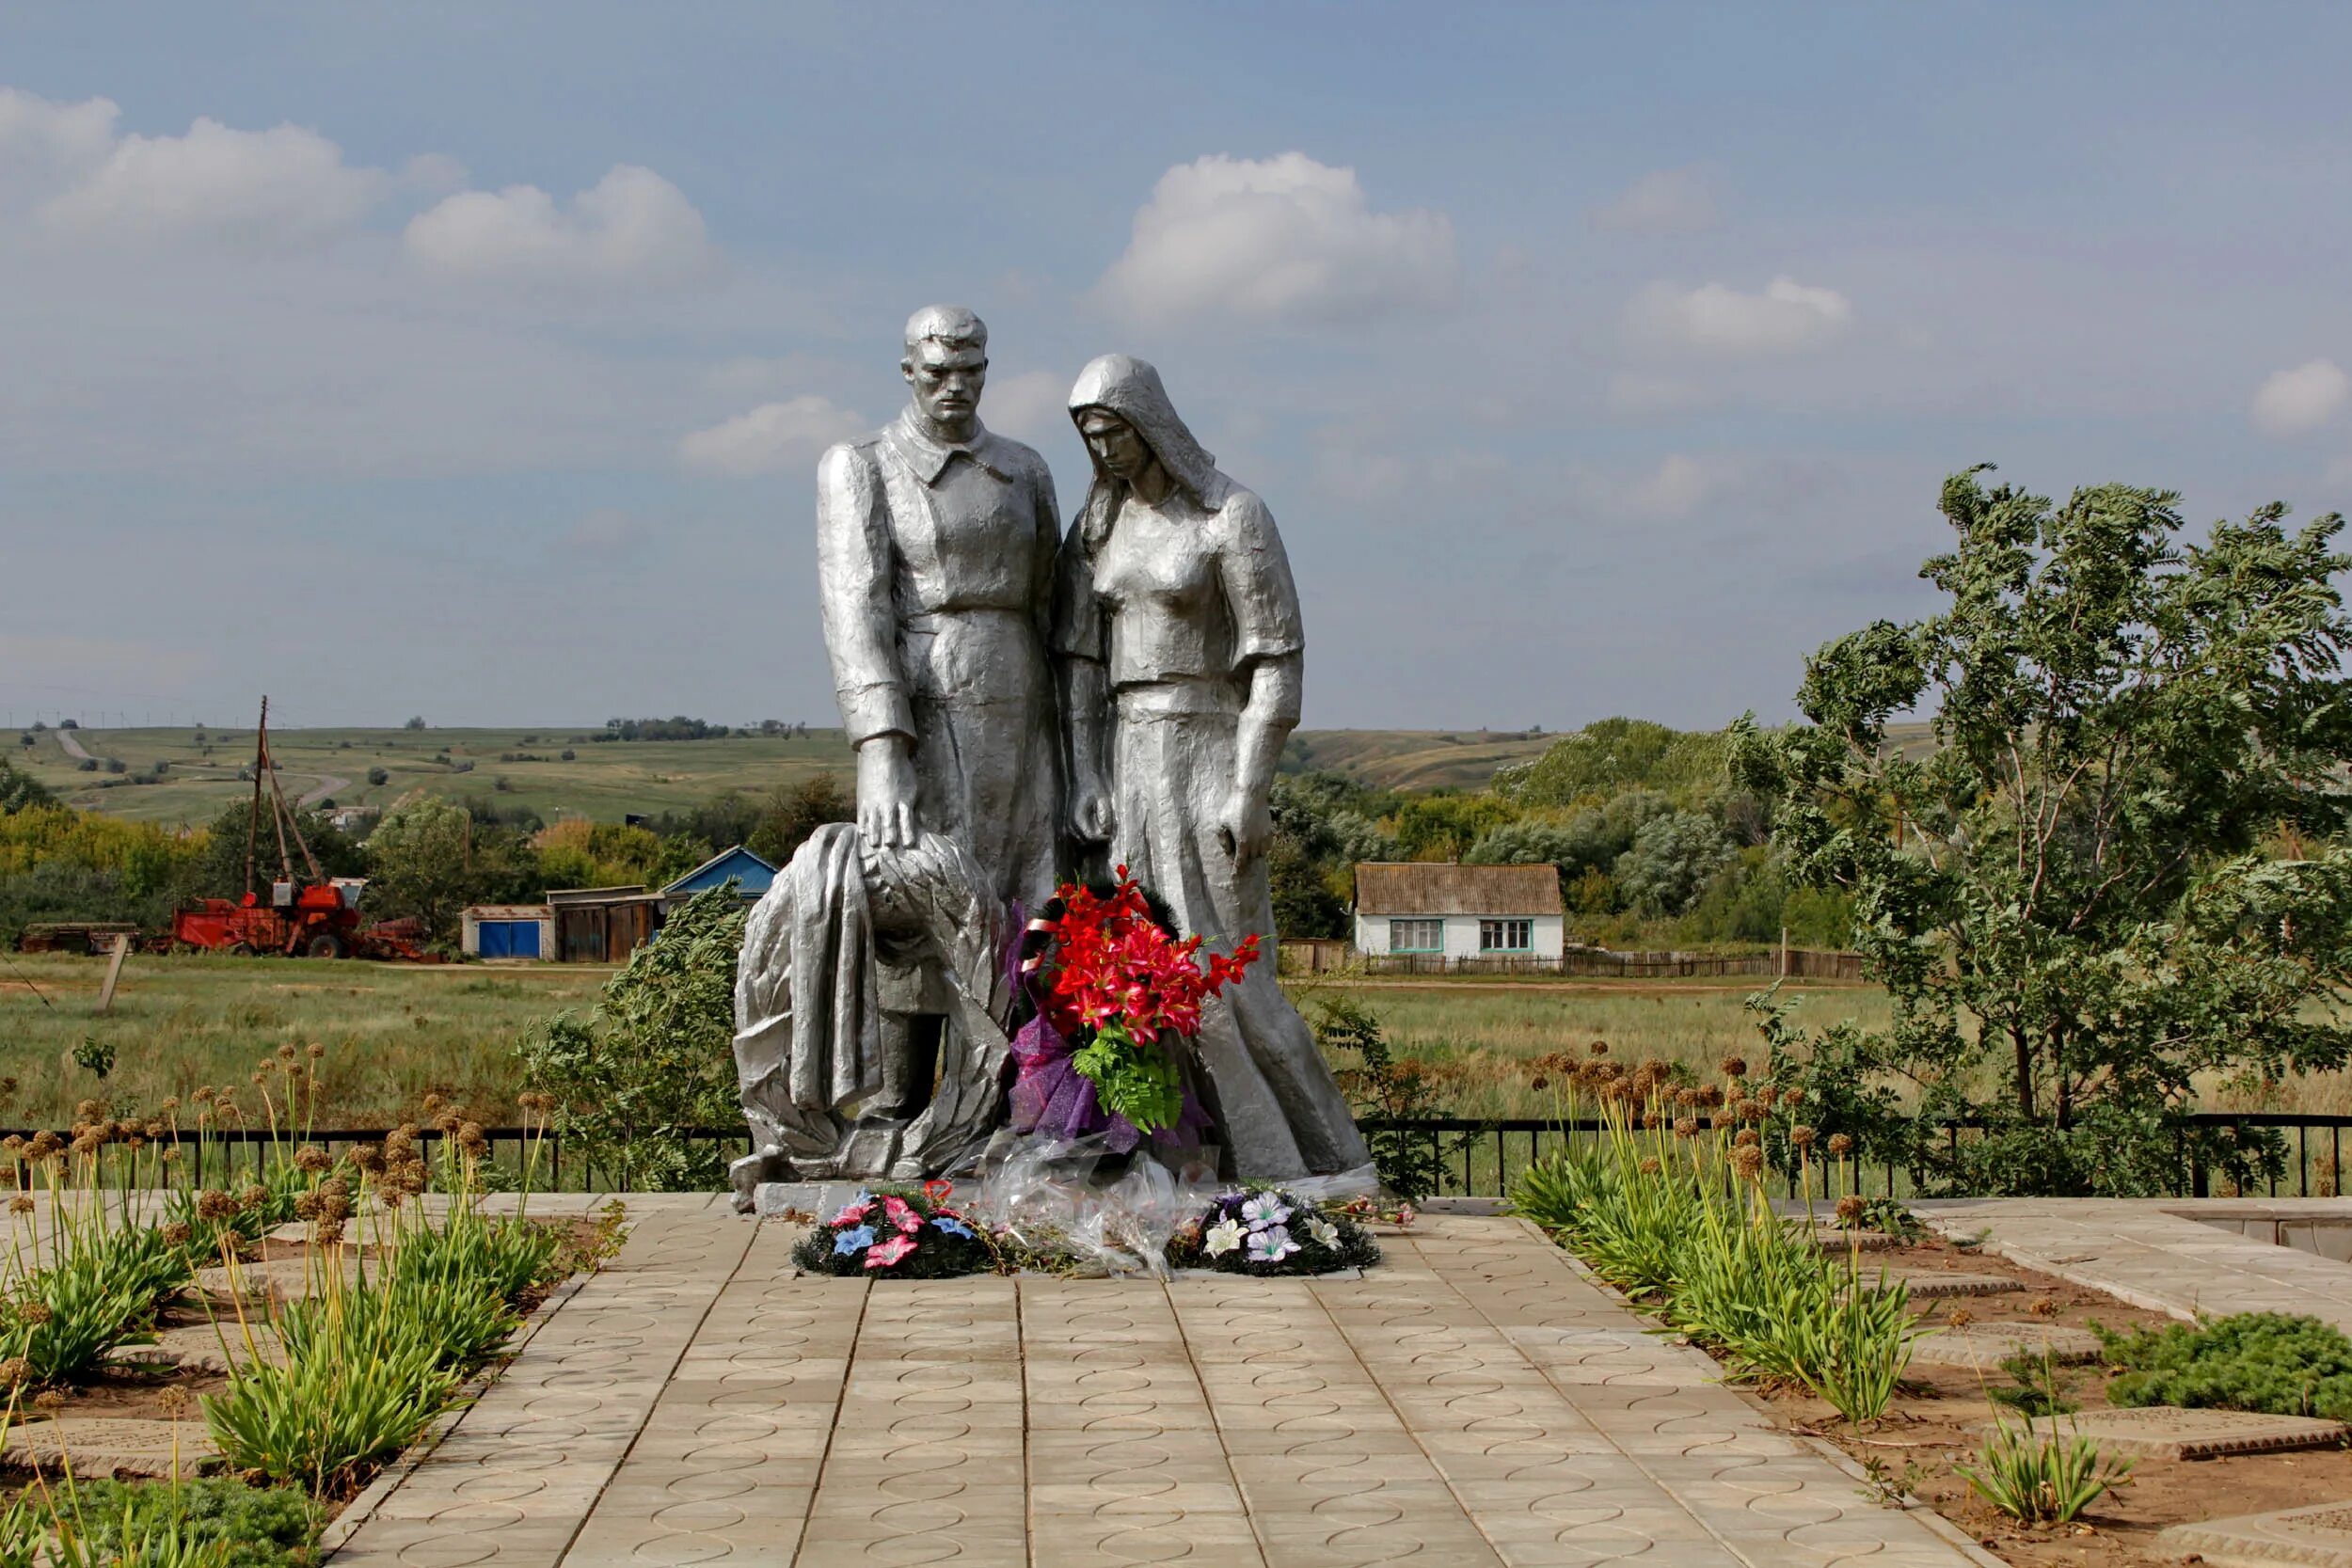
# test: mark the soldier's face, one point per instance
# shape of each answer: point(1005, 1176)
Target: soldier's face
point(946, 381)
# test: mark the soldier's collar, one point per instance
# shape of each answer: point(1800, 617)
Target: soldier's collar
point(930, 458)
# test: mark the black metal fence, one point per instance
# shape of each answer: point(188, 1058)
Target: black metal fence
point(1481, 1158)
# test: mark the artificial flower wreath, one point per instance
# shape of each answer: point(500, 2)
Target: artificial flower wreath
point(1268, 1232)
point(899, 1233)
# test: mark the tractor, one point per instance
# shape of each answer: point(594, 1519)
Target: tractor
point(317, 918)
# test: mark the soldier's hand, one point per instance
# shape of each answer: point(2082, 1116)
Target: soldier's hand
point(885, 792)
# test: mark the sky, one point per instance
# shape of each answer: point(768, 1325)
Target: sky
point(473, 361)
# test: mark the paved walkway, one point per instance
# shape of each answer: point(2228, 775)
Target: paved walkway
point(1477, 1399)
point(2189, 1257)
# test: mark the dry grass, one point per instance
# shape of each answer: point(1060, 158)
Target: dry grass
point(1476, 1041)
point(394, 1032)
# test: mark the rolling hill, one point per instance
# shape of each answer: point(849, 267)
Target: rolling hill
point(607, 780)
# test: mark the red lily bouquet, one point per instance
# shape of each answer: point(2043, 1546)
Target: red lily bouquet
point(1114, 985)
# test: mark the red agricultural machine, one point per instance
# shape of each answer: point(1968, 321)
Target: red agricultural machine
point(317, 918)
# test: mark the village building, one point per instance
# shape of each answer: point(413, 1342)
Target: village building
point(1445, 915)
point(603, 924)
point(753, 877)
point(507, 931)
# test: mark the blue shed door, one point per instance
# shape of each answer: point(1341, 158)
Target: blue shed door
point(510, 938)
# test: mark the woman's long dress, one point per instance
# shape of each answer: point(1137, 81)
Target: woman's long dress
point(1179, 603)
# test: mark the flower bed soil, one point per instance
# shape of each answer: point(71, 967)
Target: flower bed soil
point(1934, 1422)
point(142, 1392)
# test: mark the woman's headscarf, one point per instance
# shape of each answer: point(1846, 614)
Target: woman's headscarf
point(1131, 388)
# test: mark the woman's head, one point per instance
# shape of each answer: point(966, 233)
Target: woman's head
point(1116, 446)
point(1120, 390)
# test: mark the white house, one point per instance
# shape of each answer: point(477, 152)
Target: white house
point(1459, 911)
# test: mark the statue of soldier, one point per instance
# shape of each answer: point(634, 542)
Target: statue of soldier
point(935, 549)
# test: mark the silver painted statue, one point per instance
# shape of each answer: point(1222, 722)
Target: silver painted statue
point(1178, 629)
point(935, 546)
point(874, 997)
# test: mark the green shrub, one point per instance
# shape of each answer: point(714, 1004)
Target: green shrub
point(657, 1056)
point(339, 1404)
point(220, 1523)
point(2262, 1361)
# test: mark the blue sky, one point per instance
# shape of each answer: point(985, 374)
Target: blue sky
point(473, 361)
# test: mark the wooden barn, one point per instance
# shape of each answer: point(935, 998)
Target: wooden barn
point(602, 925)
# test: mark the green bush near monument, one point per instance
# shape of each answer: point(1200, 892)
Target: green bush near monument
point(2114, 880)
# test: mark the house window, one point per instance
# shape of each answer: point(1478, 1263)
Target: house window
point(1416, 936)
point(1506, 936)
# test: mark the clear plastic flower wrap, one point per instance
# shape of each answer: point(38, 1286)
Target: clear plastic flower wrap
point(1114, 1207)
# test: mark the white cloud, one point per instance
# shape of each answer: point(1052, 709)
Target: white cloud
point(631, 224)
point(284, 184)
point(73, 134)
point(1678, 486)
point(772, 436)
point(1663, 201)
point(2290, 402)
point(1714, 318)
point(1279, 240)
point(1031, 406)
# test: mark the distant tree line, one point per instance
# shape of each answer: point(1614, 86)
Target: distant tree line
point(429, 858)
point(682, 728)
point(1653, 842)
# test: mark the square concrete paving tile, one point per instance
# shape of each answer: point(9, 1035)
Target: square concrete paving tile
point(2318, 1537)
point(2167, 1432)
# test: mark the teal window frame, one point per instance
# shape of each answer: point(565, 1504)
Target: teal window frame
point(1507, 926)
point(1435, 925)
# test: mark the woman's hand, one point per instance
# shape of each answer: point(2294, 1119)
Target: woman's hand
point(1244, 826)
point(1091, 815)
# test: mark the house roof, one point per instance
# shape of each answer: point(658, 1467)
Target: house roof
point(722, 858)
point(583, 895)
point(1386, 887)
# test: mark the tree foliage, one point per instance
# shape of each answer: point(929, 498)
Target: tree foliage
point(21, 791)
point(2111, 881)
point(1613, 755)
point(656, 1056)
point(430, 858)
point(1671, 861)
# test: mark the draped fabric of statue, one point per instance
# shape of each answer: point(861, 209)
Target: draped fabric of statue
point(808, 1009)
point(1184, 604)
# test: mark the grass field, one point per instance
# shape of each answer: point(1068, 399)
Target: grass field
point(394, 1032)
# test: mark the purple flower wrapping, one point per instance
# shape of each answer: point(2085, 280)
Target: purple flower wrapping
point(1052, 1098)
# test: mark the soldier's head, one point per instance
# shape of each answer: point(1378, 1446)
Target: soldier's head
point(946, 364)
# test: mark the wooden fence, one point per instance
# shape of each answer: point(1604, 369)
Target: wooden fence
point(1321, 955)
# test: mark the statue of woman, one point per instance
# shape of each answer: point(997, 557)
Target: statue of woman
point(1178, 629)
